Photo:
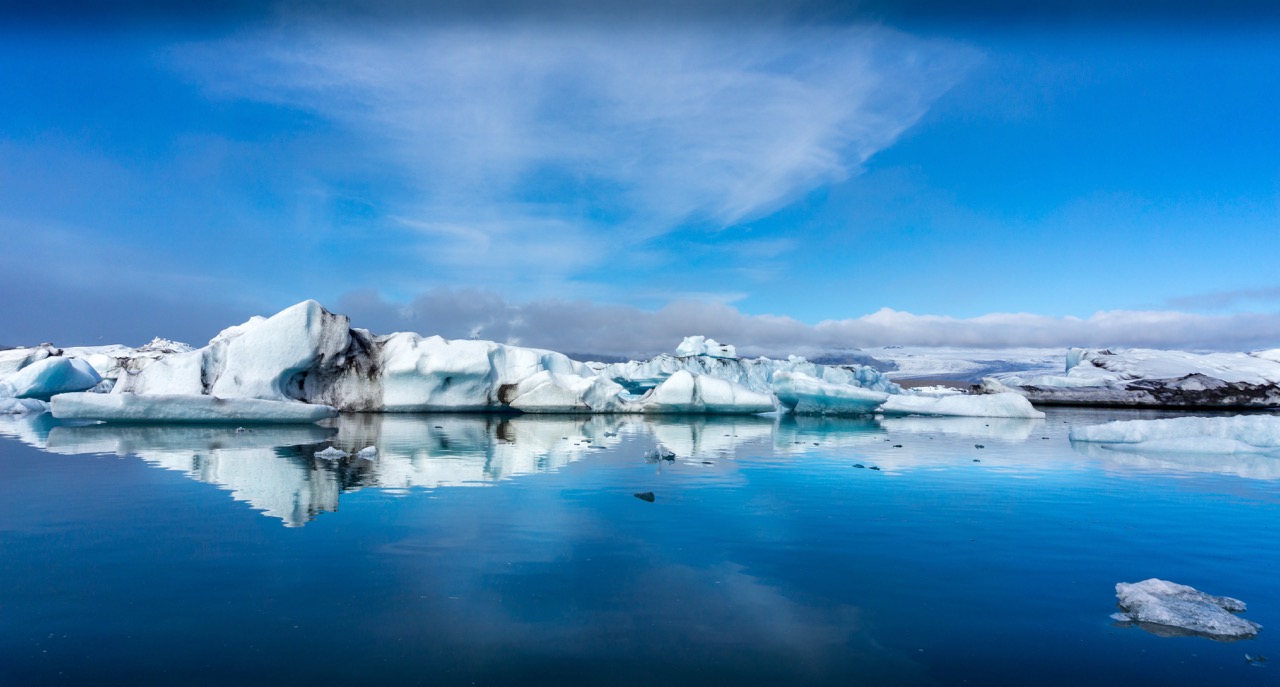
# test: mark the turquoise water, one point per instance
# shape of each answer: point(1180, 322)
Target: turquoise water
point(488, 550)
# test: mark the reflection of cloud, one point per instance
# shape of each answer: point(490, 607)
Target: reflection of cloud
point(1246, 465)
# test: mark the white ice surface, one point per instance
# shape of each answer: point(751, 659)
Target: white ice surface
point(1161, 602)
point(1227, 435)
point(182, 408)
point(987, 405)
point(48, 376)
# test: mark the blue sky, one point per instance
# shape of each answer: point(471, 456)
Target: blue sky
point(799, 178)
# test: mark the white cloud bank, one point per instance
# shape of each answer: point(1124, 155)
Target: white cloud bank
point(592, 328)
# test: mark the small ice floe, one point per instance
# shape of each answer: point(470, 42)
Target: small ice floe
point(367, 453)
point(644, 496)
point(1170, 609)
point(332, 453)
point(241, 430)
point(1258, 661)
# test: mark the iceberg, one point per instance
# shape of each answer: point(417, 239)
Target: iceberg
point(989, 405)
point(47, 376)
point(183, 408)
point(1171, 605)
point(1144, 377)
point(806, 395)
point(1223, 435)
point(701, 345)
point(308, 356)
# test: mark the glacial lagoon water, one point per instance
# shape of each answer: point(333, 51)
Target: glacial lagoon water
point(493, 550)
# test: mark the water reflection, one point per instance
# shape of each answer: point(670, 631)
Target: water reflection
point(1247, 465)
point(276, 471)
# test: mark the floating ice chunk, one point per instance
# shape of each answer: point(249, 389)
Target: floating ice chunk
point(367, 453)
point(1161, 602)
point(183, 408)
point(985, 405)
point(48, 376)
point(1226, 435)
point(684, 392)
point(22, 406)
point(806, 395)
point(332, 453)
point(701, 345)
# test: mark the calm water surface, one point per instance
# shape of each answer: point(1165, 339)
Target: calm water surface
point(490, 551)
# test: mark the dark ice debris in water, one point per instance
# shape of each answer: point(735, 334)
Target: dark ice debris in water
point(979, 446)
point(658, 454)
point(977, 460)
point(644, 496)
point(859, 465)
point(897, 445)
point(873, 468)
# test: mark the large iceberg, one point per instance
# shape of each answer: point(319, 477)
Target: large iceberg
point(1177, 606)
point(185, 408)
point(1225, 435)
point(1144, 377)
point(308, 356)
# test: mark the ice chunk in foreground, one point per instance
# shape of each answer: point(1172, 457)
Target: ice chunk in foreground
point(701, 345)
point(986, 405)
point(805, 395)
point(183, 408)
point(1228, 435)
point(1161, 602)
point(332, 453)
point(46, 377)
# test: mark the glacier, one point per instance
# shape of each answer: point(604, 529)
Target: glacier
point(1180, 607)
point(306, 356)
point(1154, 378)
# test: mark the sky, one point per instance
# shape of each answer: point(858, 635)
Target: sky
point(607, 178)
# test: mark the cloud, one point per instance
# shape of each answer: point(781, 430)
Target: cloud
point(1220, 300)
point(521, 148)
point(585, 327)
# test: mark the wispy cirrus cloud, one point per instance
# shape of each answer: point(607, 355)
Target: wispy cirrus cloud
point(524, 134)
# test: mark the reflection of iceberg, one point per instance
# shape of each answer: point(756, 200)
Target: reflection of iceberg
point(31, 429)
point(991, 428)
point(454, 450)
point(708, 437)
point(274, 468)
point(800, 433)
point(1246, 465)
point(255, 464)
